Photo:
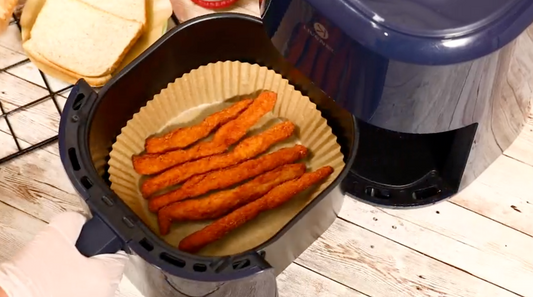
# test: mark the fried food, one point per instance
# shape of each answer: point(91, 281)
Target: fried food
point(183, 137)
point(245, 150)
point(149, 164)
point(273, 199)
point(221, 203)
point(227, 135)
point(220, 179)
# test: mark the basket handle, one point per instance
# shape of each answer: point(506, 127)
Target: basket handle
point(97, 238)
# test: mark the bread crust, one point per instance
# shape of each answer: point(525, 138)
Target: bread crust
point(98, 74)
point(59, 72)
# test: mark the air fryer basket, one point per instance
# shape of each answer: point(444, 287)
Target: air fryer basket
point(91, 121)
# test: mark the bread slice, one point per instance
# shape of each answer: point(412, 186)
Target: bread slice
point(134, 10)
point(60, 73)
point(6, 11)
point(80, 38)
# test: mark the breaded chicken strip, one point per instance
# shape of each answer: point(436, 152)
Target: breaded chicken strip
point(273, 199)
point(221, 203)
point(245, 150)
point(227, 135)
point(220, 179)
point(183, 137)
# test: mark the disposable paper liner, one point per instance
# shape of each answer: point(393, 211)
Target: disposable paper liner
point(188, 101)
point(157, 14)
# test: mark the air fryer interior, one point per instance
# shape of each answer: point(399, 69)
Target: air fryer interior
point(223, 38)
point(187, 47)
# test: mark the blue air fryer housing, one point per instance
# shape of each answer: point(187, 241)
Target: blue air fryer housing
point(421, 77)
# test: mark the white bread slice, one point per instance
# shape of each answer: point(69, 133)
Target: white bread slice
point(6, 11)
point(60, 73)
point(134, 10)
point(82, 39)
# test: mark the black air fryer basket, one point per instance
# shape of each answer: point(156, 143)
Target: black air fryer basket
point(91, 122)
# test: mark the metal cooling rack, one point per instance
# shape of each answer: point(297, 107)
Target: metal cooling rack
point(6, 115)
point(52, 95)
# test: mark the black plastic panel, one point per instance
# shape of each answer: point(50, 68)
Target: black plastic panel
point(405, 170)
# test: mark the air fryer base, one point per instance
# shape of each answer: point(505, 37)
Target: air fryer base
point(151, 281)
point(426, 130)
point(396, 169)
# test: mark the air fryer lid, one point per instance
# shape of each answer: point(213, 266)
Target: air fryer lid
point(430, 32)
point(90, 123)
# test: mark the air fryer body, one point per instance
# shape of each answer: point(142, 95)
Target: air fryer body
point(91, 122)
point(431, 119)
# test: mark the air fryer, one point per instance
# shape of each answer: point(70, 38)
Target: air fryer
point(91, 122)
point(423, 79)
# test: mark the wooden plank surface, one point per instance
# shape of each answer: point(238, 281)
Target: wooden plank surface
point(521, 148)
point(503, 193)
point(462, 236)
point(477, 244)
point(376, 266)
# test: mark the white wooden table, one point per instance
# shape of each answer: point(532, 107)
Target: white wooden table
point(479, 243)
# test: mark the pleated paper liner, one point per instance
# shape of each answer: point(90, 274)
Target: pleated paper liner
point(191, 98)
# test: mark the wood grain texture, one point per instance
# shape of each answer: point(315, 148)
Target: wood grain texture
point(515, 93)
point(299, 281)
point(9, 57)
point(37, 184)
point(521, 149)
point(7, 144)
point(462, 236)
point(28, 71)
point(35, 123)
point(15, 92)
point(503, 193)
point(377, 266)
point(11, 40)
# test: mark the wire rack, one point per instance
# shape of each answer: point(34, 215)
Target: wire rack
point(53, 96)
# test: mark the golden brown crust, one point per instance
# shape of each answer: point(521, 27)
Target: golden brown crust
point(273, 199)
point(227, 135)
point(183, 137)
point(150, 164)
point(245, 150)
point(221, 179)
point(56, 71)
point(220, 203)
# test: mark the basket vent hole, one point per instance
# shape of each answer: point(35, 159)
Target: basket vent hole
point(426, 193)
point(199, 267)
point(78, 102)
point(377, 193)
point(86, 182)
point(73, 159)
point(172, 260)
point(241, 264)
point(146, 245)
